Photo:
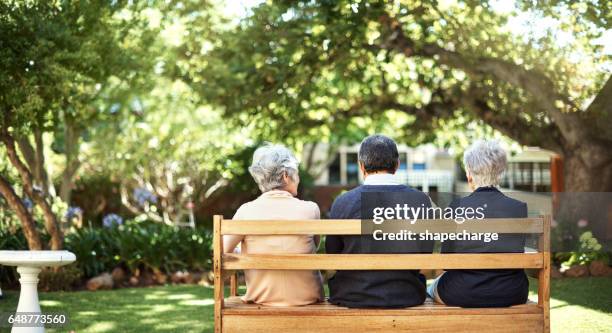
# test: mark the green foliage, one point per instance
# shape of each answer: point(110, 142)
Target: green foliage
point(588, 250)
point(64, 278)
point(332, 70)
point(144, 245)
point(94, 249)
point(135, 245)
point(66, 66)
point(55, 58)
point(179, 156)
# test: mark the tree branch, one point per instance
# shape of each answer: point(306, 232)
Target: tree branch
point(539, 86)
point(601, 108)
point(513, 126)
point(51, 223)
point(28, 224)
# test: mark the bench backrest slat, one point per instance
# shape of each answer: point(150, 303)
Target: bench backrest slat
point(354, 227)
point(382, 261)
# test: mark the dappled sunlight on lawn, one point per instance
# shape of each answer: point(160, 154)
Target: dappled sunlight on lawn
point(159, 309)
point(51, 303)
point(181, 296)
point(99, 327)
point(577, 305)
point(198, 302)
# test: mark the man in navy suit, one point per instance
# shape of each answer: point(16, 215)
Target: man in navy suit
point(378, 162)
point(484, 163)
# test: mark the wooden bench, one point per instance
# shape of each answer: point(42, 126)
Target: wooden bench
point(232, 315)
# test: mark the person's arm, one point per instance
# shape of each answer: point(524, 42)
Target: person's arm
point(524, 210)
point(449, 246)
point(333, 243)
point(427, 246)
point(316, 215)
point(231, 241)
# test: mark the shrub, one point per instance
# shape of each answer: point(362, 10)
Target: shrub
point(588, 250)
point(144, 245)
point(134, 245)
point(62, 278)
point(93, 250)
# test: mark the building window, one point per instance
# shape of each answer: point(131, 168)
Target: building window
point(352, 169)
point(528, 176)
point(403, 162)
point(418, 166)
point(334, 171)
point(344, 169)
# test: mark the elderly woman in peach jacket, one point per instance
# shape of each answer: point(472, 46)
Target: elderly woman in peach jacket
point(275, 170)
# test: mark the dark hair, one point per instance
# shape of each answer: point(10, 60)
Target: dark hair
point(378, 153)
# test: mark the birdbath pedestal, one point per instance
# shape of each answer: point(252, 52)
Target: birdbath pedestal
point(29, 264)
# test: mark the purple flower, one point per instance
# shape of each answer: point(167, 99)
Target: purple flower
point(27, 203)
point(73, 211)
point(112, 220)
point(142, 196)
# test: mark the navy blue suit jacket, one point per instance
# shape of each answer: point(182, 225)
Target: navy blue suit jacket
point(493, 287)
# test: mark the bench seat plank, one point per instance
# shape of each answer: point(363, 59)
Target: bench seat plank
point(429, 317)
point(523, 323)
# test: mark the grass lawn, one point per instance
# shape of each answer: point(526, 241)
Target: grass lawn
point(578, 305)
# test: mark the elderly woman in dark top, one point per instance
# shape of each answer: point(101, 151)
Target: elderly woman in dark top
point(485, 162)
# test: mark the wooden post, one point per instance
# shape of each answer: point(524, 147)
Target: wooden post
point(544, 274)
point(217, 255)
point(234, 284)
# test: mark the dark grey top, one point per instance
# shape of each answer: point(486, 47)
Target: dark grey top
point(492, 287)
point(375, 289)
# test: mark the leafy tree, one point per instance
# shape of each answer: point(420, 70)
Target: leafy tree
point(297, 67)
point(57, 58)
point(171, 155)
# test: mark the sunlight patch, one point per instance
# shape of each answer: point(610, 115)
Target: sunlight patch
point(181, 296)
point(198, 302)
point(162, 308)
point(103, 326)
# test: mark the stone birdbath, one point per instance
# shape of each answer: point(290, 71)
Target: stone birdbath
point(29, 264)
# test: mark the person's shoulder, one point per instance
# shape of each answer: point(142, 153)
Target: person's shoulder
point(309, 207)
point(414, 193)
point(347, 200)
point(243, 210)
point(349, 195)
point(512, 201)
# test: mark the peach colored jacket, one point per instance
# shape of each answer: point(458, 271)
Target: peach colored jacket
point(278, 287)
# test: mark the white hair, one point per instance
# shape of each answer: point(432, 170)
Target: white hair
point(485, 161)
point(270, 163)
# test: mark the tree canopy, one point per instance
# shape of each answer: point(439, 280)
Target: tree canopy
point(300, 67)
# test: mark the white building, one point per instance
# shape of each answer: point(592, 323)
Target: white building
point(425, 167)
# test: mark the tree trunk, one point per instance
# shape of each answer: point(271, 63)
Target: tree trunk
point(51, 222)
point(585, 200)
point(588, 168)
point(40, 173)
point(71, 149)
point(27, 223)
